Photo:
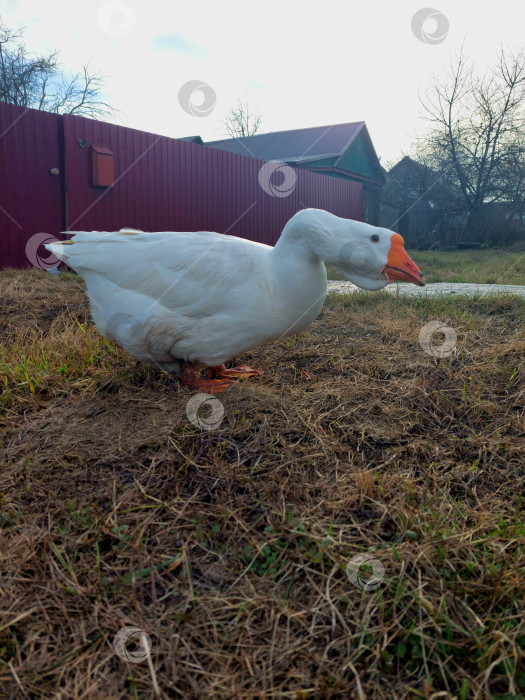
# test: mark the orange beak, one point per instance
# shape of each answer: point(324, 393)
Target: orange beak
point(399, 266)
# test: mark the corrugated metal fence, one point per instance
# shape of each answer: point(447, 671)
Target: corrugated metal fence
point(161, 184)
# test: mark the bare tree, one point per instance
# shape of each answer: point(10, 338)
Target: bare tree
point(241, 120)
point(38, 81)
point(476, 126)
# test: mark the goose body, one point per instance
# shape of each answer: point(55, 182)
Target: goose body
point(183, 301)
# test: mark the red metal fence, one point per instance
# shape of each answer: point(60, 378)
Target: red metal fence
point(161, 184)
point(31, 198)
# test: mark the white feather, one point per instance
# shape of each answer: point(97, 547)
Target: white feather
point(207, 297)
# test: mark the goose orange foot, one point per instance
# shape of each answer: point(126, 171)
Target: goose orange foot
point(220, 372)
point(188, 377)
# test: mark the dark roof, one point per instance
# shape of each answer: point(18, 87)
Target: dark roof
point(408, 162)
point(294, 145)
point(192, 139)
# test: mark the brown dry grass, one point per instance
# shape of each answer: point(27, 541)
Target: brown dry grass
point(229, 547)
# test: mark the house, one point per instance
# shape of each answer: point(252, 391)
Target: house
point(418, 203)
point(339, 150)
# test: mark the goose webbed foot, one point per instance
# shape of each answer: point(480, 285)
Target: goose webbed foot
point(220, 372)
point(188, 377)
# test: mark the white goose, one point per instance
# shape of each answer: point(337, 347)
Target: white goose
point(184, 301)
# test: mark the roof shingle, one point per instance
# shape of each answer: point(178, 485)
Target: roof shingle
point(295, 144)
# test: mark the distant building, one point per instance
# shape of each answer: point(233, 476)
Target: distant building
point(192, 139)
point(418, 204)
point(339, 150)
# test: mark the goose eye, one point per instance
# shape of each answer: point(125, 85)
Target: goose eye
point(374, 238)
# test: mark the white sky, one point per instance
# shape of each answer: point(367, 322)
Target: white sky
point(301, 62)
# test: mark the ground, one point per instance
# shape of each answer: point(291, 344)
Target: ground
point(491, 266)
point(230, 547)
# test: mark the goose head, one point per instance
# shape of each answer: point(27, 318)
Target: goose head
point(369, 256)
point(374, 257)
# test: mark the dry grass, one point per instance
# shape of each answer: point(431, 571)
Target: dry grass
point(229, 547)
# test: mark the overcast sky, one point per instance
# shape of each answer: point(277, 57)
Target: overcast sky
point(301, 63)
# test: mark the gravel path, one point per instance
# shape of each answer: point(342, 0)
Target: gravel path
point(435, 289)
